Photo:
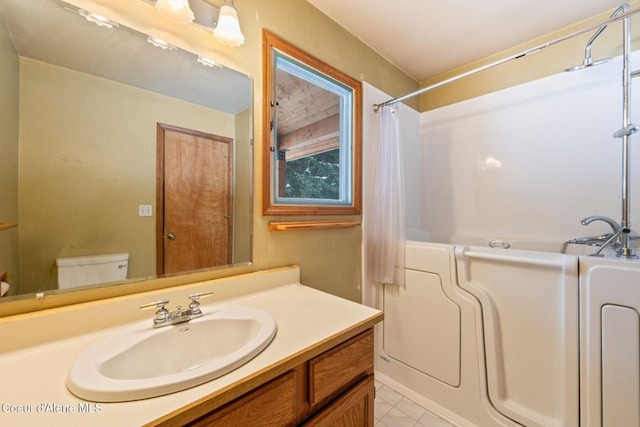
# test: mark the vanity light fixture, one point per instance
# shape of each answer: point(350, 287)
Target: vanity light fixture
point(99, 20)
point(227, 30)
point(160, 43)
point(176, 10)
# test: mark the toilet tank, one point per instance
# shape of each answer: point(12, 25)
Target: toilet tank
point(91, 270)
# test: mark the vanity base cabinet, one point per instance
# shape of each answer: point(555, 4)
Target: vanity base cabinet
point(333, 389)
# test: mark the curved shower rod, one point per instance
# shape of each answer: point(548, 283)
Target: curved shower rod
point(522, 54)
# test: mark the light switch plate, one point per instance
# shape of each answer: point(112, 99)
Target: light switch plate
point(145, 210)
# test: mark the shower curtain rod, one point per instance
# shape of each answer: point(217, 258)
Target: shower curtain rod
point(522, 54)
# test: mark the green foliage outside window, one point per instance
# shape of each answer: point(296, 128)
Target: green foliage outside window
point(314, 177)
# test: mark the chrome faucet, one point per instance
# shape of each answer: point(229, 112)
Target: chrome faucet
point(164, 317)
point(588, 241)
point(613, 224)
point(612, 239)
point(603, 240)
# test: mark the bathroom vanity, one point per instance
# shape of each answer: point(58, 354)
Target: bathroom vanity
point(333, 388)
point(317, 370)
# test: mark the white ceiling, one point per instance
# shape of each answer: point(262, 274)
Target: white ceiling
point(425, 38)
point(52, 32)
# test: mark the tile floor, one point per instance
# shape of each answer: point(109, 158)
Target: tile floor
point(392, 409)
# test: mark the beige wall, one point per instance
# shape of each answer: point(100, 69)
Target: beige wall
point(9, 78)
point(85, 166)
point(242, 202)
point(329, 260)
point(547, 62)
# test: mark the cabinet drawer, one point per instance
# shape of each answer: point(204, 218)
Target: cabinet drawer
point(271, 405)
point(341, 366)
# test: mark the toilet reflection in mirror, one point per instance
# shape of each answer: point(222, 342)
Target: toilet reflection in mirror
point(74, 272)
point(80, 139)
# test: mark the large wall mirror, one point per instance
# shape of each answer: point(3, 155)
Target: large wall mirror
point(114, 143)
point(312, 134)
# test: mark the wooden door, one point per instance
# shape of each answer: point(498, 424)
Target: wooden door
point(194, 199)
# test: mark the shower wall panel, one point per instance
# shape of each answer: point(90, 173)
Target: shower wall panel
point(528, 162)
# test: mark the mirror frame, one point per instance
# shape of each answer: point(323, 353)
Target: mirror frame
point(271, 43)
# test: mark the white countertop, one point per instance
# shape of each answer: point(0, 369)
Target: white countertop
point(33, 378)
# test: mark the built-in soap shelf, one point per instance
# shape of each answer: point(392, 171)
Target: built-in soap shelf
point(7, 225)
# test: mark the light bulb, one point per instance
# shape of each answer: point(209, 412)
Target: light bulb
point(228, 31)
point(175, 10)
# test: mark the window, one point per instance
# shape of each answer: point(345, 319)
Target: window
point(312, 134)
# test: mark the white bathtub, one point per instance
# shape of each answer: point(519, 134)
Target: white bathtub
point(482, 336)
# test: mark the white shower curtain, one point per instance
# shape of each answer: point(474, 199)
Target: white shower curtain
point(385, 228)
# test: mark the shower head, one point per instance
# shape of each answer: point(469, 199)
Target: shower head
point(588, 62)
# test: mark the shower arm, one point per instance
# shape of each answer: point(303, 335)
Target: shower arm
point(522, 54)
point(587, 49)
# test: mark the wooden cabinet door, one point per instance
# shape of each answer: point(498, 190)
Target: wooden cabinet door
point(352, 409)
point(333, 371)
point(333, 389)
point(272, 405)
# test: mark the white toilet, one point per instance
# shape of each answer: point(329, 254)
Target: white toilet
point(93, 269)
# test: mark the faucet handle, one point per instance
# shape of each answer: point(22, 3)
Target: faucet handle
point(194, 306)
point(162, 314)
point(160, 304)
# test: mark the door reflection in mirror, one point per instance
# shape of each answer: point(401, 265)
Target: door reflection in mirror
point(194, 199)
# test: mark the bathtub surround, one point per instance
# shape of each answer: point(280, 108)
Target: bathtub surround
point(620, 240)
point(526, 164)
point(519, 167)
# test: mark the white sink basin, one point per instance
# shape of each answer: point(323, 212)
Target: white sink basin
point(141, 362)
